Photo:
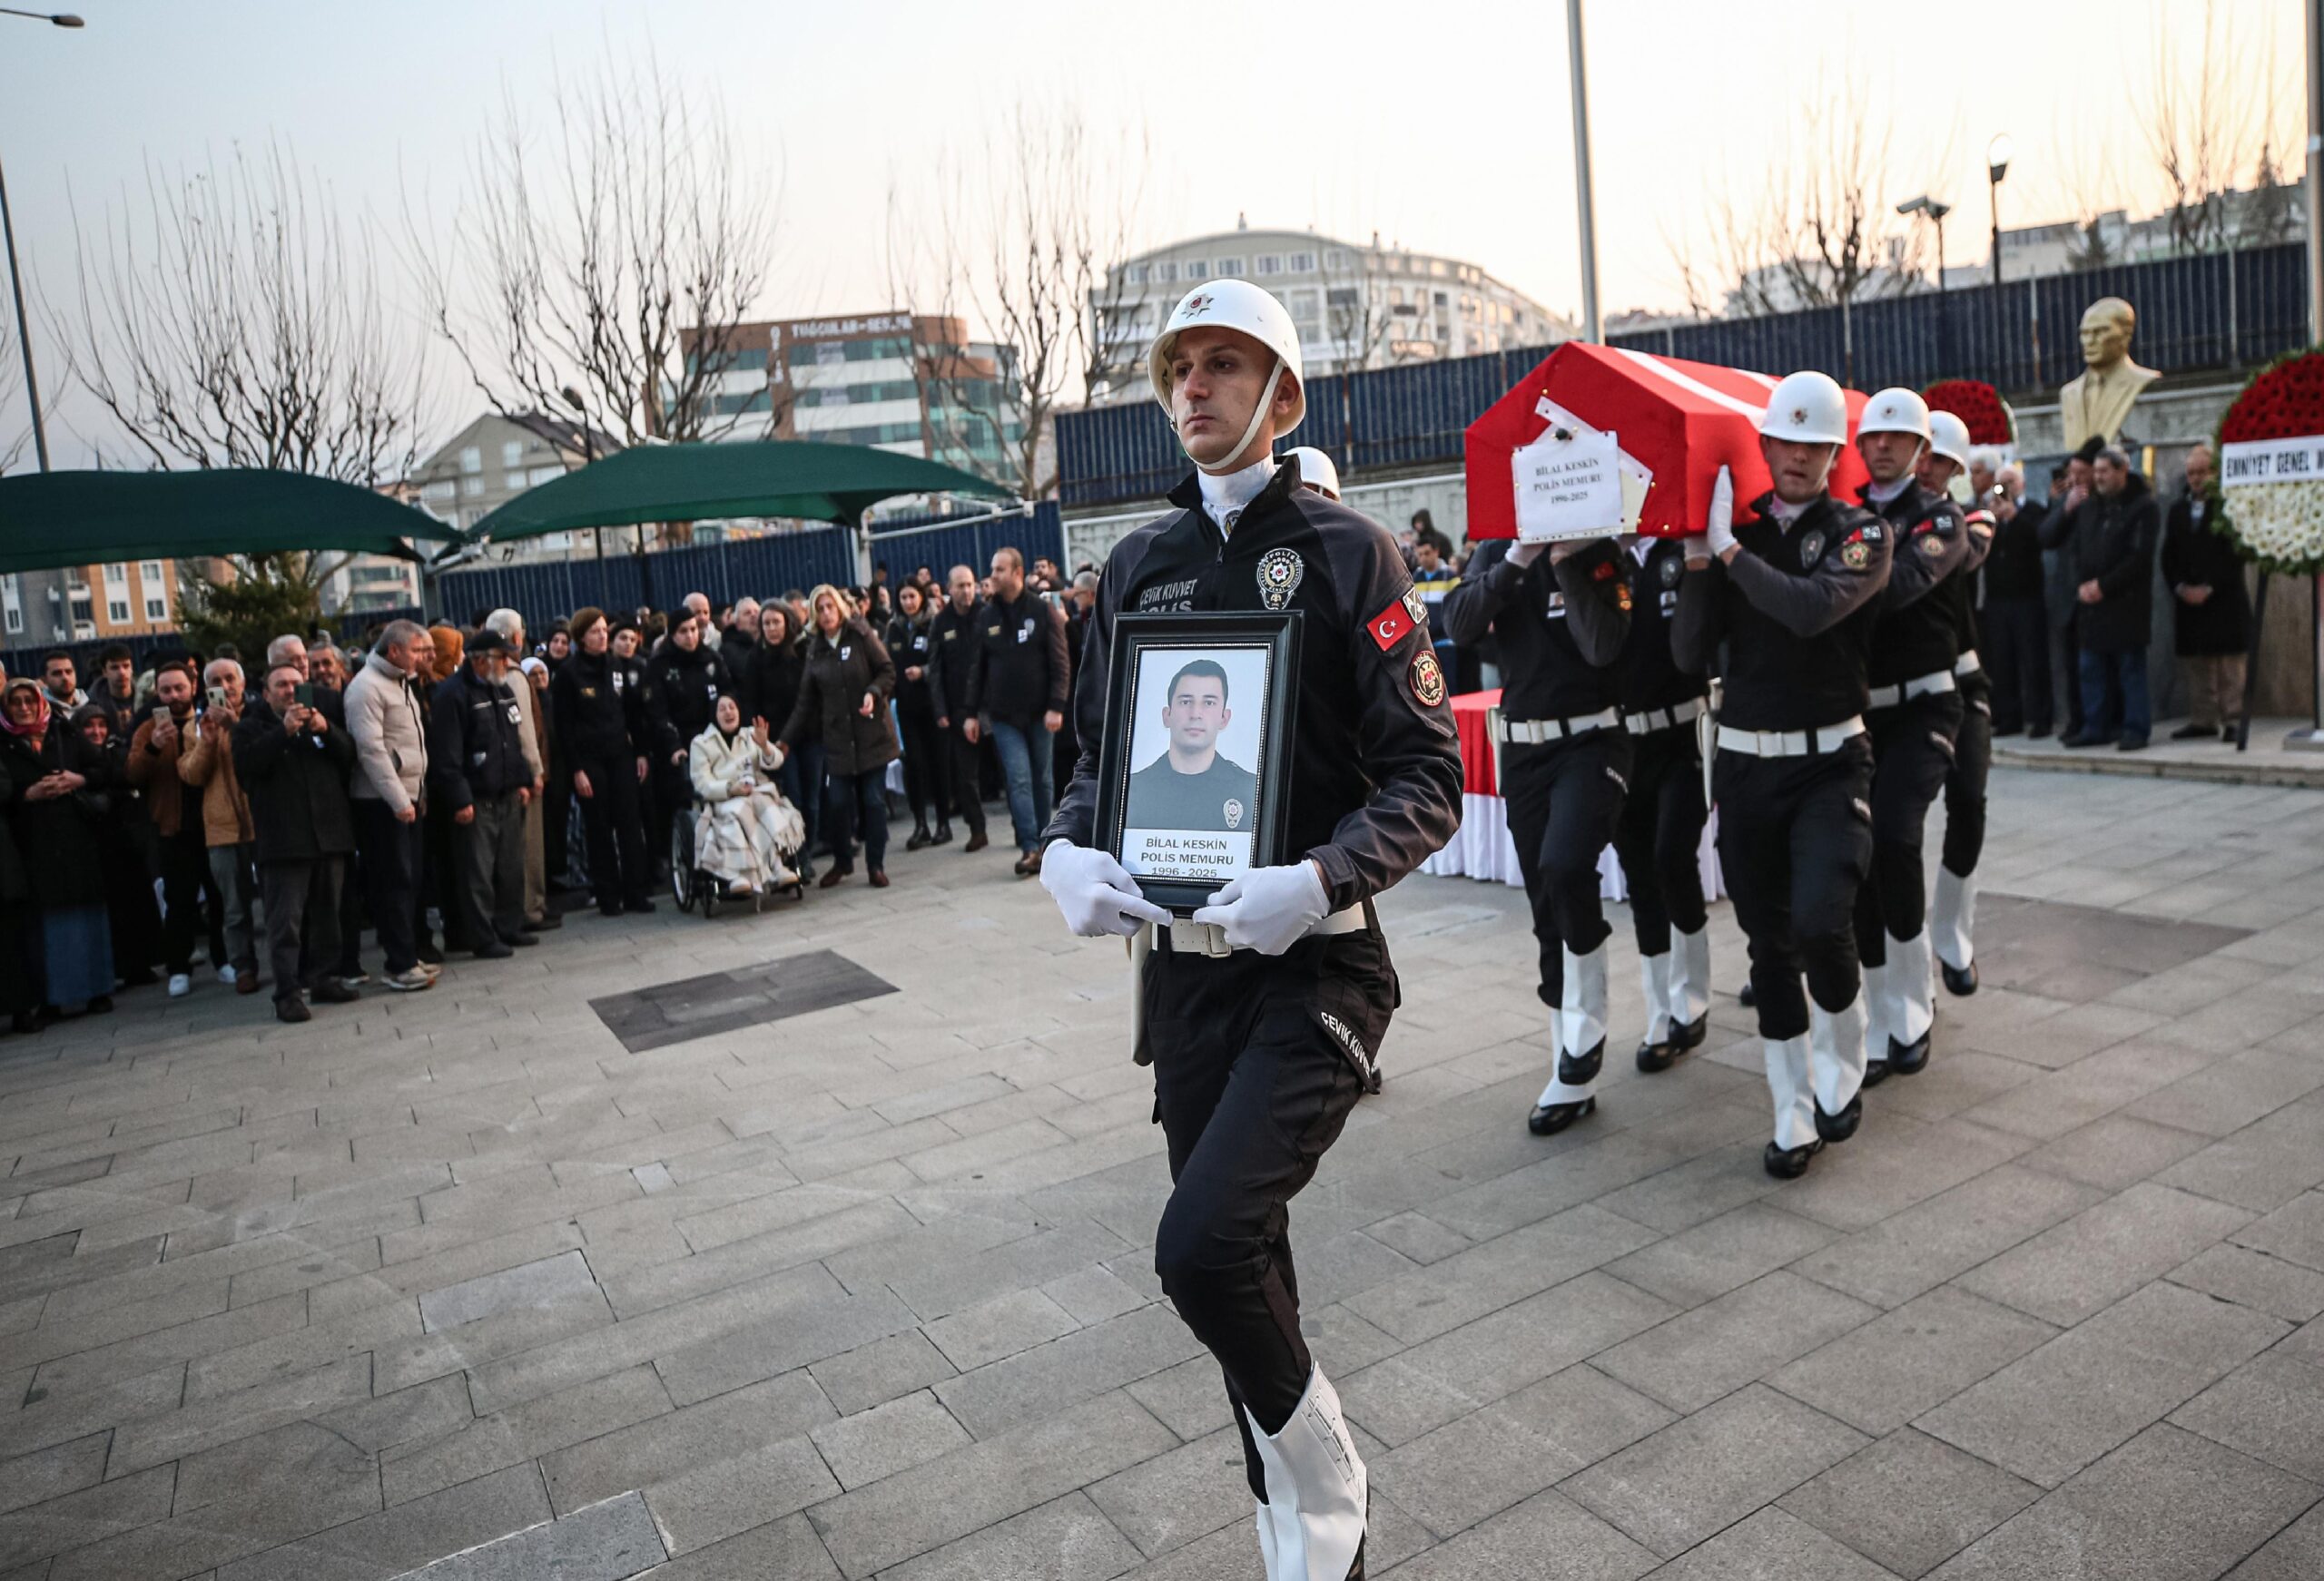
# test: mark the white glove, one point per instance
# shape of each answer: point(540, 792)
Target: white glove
point(1524, 555)
point(1269, 909)
point(1720, 526)
point(1095, 893)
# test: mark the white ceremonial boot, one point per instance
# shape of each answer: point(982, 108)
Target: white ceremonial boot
point(1835, 1062)
point(1951, 929)
point(1795, 1140)
point(1875, 1000)
point(1689, 986)
point(1911, 1009)
point(1655, 1052)
point(1311, 1528)
point(1581, 1042)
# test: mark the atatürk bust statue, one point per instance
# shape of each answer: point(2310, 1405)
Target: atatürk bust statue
point(2098, 401)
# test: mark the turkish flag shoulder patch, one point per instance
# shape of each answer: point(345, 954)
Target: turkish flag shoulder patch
point(1390, 626)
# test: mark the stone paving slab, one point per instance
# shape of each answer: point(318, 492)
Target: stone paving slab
point(463, 1284)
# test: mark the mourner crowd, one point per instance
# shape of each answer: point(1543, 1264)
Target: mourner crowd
point(458, 789)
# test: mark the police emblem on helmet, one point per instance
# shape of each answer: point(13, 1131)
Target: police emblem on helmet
point(1799, 416)
point(1233, 813)
point(1280, 571)
point(1197, 303)
point(1811, 549)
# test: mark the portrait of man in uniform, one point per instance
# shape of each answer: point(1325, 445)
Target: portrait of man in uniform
point(1192, 804)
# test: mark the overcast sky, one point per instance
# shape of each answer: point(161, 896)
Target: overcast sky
point(1446, 127)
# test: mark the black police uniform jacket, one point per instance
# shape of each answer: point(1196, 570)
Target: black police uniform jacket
point(1375, 769)
point(1020, 668)
point(595, 710)
point(474, 748)
point(682, 693)
point(1924, 609)
point(1649, 674)
point(1796, 609)
point(1559, 628)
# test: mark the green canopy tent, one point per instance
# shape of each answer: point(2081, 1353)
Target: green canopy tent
point(79, 518)
point(694, 483)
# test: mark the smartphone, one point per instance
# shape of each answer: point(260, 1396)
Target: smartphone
point(216, 695)
point(304, 696)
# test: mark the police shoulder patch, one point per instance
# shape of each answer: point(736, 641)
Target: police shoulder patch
point(1427, 678)
point(1415, 606)
point(1855, 555)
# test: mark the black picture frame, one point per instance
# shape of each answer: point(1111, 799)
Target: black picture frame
point(1142, 640)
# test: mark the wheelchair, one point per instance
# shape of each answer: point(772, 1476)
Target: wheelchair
point(692, 886)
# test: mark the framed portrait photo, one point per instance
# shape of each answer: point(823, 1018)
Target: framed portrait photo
point(1196, 756)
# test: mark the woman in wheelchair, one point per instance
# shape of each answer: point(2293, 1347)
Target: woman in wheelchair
point(745, 830)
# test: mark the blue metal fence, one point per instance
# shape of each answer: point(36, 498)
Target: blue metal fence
point(756, 568)
point(905, 544)
point(2215, 310)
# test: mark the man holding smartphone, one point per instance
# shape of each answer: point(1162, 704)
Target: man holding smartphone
point(206, 763)
point(294, 766)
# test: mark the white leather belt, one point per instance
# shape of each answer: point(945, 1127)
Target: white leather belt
point(1647, 720)
point(1534, 733)
point(1187, 936)
point(1918, 686)
point(1789, 743)
point(1967, 664)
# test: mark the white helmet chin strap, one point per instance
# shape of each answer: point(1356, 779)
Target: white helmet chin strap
point(1250, 430)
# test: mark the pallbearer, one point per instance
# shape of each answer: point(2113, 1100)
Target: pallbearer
point(1561, 618)
point(1790, 590)
point(1264, 1013)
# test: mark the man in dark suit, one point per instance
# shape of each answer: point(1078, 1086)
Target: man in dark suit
point(2213, 612)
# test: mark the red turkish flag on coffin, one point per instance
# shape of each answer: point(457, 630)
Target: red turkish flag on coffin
point(1680, 420)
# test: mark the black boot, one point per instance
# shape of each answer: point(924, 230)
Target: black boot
point(943, 835)
point(919, 836)
point(1959, 984)
point(1907, 1058)
point(1789, 1163)
point(1549, 1119)
point(1839, 1127)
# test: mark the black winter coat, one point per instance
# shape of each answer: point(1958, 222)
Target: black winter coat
point(682, 693)
point(594, 718)
point(2113, 544)
point(2195, 556)
point(770, 683)
point(910, 643)
point(1021, 668)
point(475, 744)
point(952, 642)
point(60, 839)
point(297, 786)
point(839, 672)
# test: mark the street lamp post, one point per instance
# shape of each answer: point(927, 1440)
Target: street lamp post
point(1584, 201)
point(15, 276)
point(1936, 211)
point(1997, 154)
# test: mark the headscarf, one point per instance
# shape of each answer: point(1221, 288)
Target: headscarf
point(535, 665)
point(448, 643)
point(39, 727)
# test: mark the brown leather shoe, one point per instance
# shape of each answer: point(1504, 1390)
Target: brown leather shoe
point(831, 880)
point(879, 878)
point(977, 842)
point(246, 982)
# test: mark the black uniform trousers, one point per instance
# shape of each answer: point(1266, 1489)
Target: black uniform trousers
point(619, 869)
point(1912, 753)
point(967, 768)
point(928, 765)
point(1794, 841)
point(1965, 782)
point(1565, 799)
point(185, 871)
point(1659, 836)
point(1252, 1080)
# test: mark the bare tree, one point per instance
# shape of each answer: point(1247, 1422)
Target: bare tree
point(1816, 231)
point(1355, 307)
point(1023, 241)
point(622, 275)
point(2201, 133)
point(232, 319)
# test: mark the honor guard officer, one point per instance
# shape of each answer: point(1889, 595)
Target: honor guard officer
point(1913, 715)
point(1560, 619)
point(1791, 591)
point(1952, 906)
point(1263, 1015)
point(1659, 837)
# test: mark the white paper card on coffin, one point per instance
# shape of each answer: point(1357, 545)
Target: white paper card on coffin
point(1568, 485)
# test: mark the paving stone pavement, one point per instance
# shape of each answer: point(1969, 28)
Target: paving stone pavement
point(455, 1285)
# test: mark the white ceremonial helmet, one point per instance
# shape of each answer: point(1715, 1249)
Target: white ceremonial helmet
point(1807, 408)
point(1240, 306)
point(1895, 411)
point(1315, 469)
point(1948, 435)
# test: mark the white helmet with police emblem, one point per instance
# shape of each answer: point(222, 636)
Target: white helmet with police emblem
point(1315, 470)
point(1240, 306)
point(1895, 411)
point(1948, 435)
point(1807, 408)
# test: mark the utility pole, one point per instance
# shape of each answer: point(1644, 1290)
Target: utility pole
point(1591, 328)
